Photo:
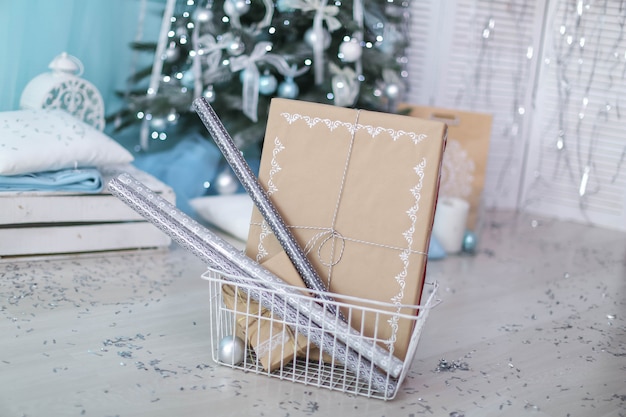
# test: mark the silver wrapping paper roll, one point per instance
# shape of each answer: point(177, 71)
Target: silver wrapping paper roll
point(321, 327)
point(260, 198)
point(224, 257)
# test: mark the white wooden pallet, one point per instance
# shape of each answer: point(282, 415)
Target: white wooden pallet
point(46, 223)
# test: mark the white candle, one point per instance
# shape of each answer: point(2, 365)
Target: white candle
point(450, 223)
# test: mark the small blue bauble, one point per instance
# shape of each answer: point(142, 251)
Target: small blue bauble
point(288, 89)
point(435, 251)
point(267, 84)
point(188, 79)
point(469, 242)
point(283, 7)
point(242, 75)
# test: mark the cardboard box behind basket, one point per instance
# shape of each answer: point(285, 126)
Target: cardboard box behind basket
point(52, 223)
point(465, 159)
point(358, 189)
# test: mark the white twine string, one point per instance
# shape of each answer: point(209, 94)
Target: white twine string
point(340, 194)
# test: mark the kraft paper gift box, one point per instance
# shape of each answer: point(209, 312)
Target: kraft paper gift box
point(465, 159)
point(273, 342)
point(358, 190)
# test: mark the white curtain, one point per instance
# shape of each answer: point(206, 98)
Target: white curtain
point(553, 74)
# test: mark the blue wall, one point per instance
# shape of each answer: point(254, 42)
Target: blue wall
point(98, 32)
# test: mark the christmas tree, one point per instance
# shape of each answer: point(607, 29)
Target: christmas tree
point(241, 53)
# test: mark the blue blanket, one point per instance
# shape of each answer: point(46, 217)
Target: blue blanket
point(84, 180)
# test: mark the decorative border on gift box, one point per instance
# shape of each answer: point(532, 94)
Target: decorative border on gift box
point(275, 166)
point(406, 253)
point(353, 127)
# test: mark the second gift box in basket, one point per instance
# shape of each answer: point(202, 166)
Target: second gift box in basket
point(358, 190)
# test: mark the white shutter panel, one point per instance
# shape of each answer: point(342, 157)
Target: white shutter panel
point(480, 55)
point(576, 165)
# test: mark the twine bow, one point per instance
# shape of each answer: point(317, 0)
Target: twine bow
point(327, 236)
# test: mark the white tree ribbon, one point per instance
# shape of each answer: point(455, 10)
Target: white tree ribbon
point(269, 13)
point(318, 47)
point(323, 13)
point(248, 64)
point(328, 13)
point(345, 85)
point(211, 49)
point(251, 75)
point(196, 66)
point(283, 67)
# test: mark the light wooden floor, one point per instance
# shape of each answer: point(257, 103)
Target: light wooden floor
point(537, 319)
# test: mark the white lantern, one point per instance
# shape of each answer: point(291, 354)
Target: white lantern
point(62, 88)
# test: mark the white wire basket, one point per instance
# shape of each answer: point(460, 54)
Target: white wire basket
point(295, 344)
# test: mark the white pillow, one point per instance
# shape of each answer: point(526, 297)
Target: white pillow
point(230, 212)
point(48, 140)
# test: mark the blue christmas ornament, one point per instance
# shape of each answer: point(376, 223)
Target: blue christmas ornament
point(469, 241)
point(267, 84)
point(242, 75)
point(283, 6)
point(435, 250)
point(288, 89)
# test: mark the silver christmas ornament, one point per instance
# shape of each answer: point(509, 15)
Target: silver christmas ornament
point(312, 38)
point(350, 51)
point(226, 183)
point(231, 350)
point(236, 47)
point(202, 14)
point(236, 7)
point(392, 91)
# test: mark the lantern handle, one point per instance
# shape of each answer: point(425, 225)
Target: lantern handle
point(68, 64)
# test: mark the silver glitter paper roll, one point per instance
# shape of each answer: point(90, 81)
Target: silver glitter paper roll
point(167, 218)
point(227, 259)
point(260, 198)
